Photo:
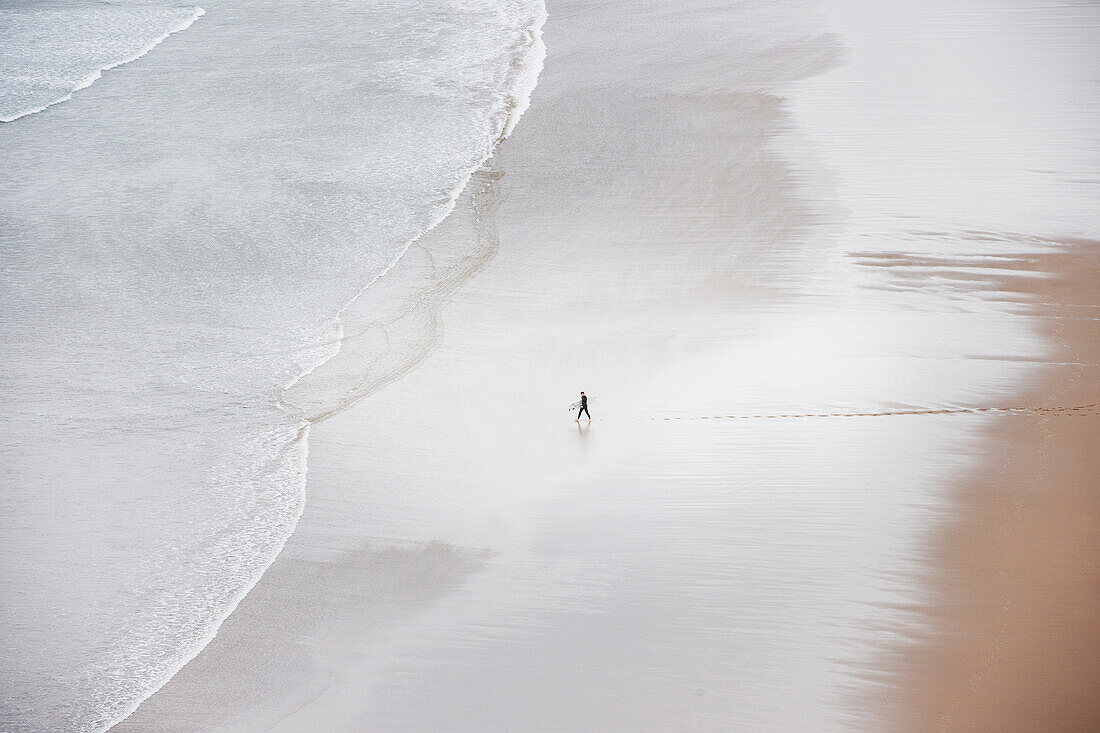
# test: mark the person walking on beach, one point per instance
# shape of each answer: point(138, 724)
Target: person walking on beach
point(583, 408)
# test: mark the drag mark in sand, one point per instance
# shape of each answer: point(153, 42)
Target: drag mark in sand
point(1073, 410)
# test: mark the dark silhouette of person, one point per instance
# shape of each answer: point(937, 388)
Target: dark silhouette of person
point(584, 408)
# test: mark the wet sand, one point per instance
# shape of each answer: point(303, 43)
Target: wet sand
point(472, 559)
point(1002, 635)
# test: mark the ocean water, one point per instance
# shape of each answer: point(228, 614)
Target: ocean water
point(53, 48)
point(179, 241)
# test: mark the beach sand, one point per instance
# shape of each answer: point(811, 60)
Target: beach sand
point(1015, 624)
point(665, 232)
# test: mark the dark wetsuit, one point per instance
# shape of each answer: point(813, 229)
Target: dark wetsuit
point(584, 408)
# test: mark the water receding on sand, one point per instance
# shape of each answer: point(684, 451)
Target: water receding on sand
point(180, 239)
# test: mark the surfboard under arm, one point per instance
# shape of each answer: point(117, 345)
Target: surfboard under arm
point(577, 404)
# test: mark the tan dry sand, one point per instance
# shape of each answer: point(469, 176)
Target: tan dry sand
point(1015, 644)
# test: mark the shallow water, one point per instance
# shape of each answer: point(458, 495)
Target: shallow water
point(53, 48)
point(179, 240)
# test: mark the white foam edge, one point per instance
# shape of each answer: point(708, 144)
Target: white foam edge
point(517, 101)
point(92, 78)
point(527, 75)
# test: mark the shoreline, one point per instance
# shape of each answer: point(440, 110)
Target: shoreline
point(526, 64)
point(329, 544)
point(188, 427)
point(94, 76)
point(635, 574)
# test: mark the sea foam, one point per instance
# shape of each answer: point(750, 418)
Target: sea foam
point(51, 50)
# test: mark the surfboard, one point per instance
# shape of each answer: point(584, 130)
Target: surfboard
point(577, 404)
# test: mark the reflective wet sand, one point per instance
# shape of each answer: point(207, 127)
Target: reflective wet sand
point(472, 559)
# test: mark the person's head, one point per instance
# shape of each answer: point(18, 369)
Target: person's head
point(582, 392)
